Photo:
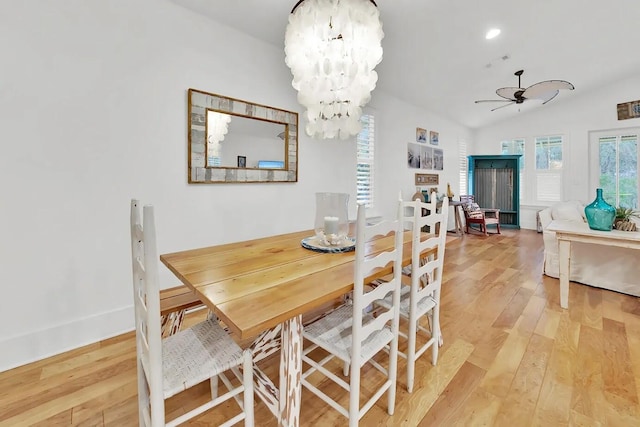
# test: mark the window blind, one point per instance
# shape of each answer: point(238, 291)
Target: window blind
point(548, 179)
point(365, 146)
point(463, 166)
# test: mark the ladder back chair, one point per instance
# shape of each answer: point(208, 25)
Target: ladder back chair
point(421, 299)
point(169, 366)
point(351, 334)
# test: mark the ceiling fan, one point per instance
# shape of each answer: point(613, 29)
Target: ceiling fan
point(545, 90)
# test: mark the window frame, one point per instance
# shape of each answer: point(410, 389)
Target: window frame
point(594, 159)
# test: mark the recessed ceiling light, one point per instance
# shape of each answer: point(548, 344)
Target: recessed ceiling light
point(492, 33)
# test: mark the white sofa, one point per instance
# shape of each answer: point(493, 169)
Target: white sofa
point(617, 269)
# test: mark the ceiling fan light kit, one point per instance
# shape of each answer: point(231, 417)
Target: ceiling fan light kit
point(545, 90)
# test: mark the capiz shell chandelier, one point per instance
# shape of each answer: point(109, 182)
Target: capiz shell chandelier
point(217, 126)
point(332, 48)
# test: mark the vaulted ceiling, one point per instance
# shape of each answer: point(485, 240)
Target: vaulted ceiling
point(436, 56)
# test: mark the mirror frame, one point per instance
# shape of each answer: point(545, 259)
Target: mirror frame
point(199, 103)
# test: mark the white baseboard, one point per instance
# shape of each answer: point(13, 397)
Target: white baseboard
point(37, 345)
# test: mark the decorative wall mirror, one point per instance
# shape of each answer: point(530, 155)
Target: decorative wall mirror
point(231, 140)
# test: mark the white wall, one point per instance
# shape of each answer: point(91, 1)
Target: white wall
point(573, 118)
point(93, 113)
point(396, 127)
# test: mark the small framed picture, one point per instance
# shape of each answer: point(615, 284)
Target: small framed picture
point(426, 179)
point(421, 135)
point(242, 161)
point(433, 137)
point(438, 159)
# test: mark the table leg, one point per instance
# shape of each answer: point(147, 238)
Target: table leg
point(564, 258)
point(265, 345)
point(290, 372)
point(458, 220)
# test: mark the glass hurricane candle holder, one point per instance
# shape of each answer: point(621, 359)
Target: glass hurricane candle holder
point(332, 218)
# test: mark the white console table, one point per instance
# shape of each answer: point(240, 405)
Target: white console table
point(571, 231)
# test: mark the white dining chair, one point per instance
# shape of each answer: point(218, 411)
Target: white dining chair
point(421, 299)
point(351, 334)
point(169, 366)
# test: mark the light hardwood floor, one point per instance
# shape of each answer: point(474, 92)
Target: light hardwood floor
point(511, 357)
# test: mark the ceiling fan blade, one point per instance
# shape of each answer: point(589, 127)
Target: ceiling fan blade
point(508, 92)
point(546, 90)
point(502, 106)
point(493, 100)
point(546, 97)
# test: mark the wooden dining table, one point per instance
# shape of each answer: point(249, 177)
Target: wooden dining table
point(261, 288)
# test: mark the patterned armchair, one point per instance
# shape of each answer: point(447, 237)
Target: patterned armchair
point(474, 214)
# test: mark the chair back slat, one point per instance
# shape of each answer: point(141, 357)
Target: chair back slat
point(379, 292)
point(380, 260)
point(376, 324)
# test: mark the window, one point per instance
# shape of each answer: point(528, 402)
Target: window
point(214, 158)
point(548, 180)
point(365, 161)
point(516, 146)
point(616, 166)
point(464, 167)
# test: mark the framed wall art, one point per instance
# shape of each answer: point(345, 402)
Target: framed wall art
point(421, 135)
point(427, 179)
point(438, 159)
point(434, 137)
point(629, 110)
point(426, 157)
point(413, 155)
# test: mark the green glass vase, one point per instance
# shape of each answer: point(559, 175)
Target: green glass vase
point(600, 214)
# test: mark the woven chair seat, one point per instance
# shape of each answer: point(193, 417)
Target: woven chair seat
point(424, 305)
point(195, 355)
point(333, 333)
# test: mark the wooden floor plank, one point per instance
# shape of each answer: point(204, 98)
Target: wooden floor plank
point(480, 409)
point(61, 419)
point(527, 322)
point(592, 310)
point(501, 373)
point(428, 387)
point(547, 325)
point(452, 400)
point(53, 407)
point(632, 326)
point(617, 371)
point(587, 394)
point(32, 395)
point(542, 365)
point(520, 403)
